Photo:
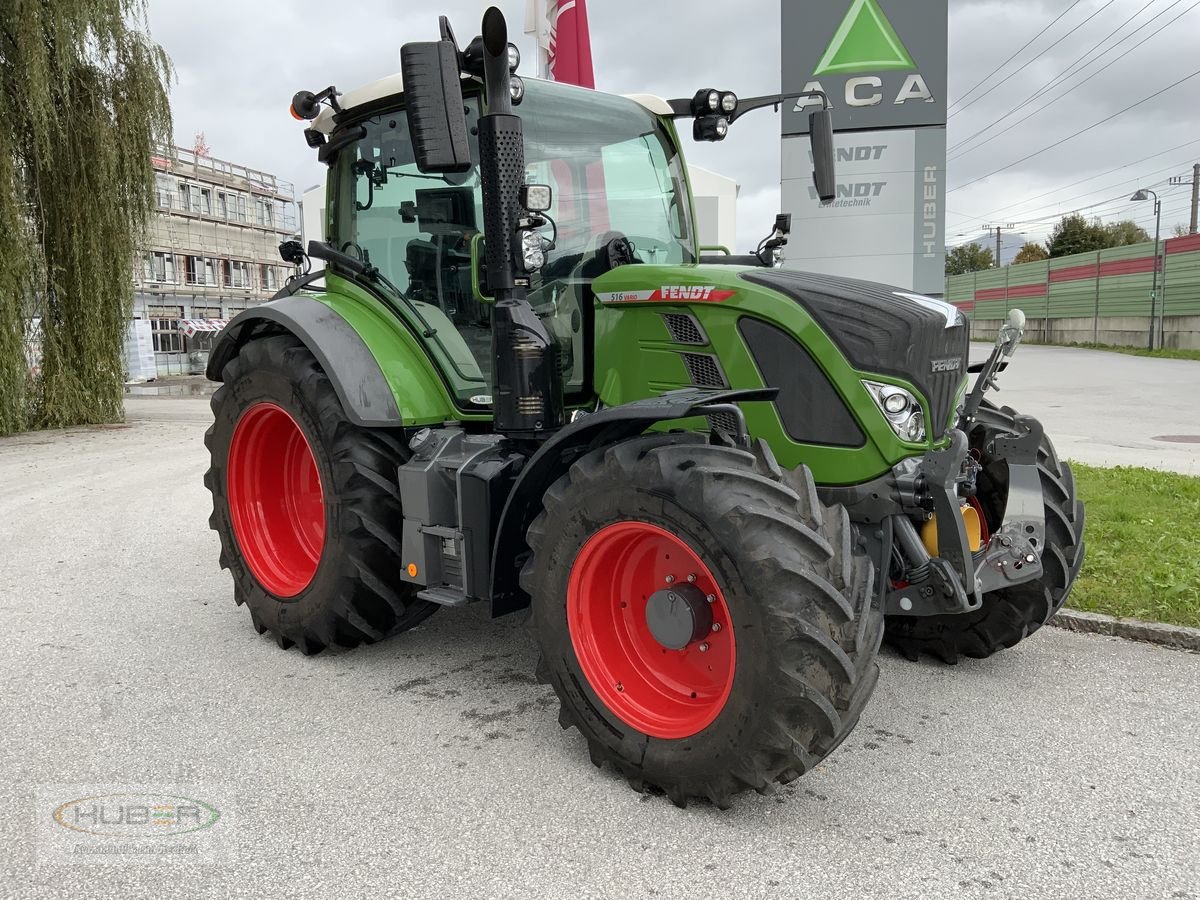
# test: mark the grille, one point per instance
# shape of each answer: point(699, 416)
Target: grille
point(726, 422)
point(704, 370)
point(684, 329)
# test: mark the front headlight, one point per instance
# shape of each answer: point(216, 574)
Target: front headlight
point(900, 408)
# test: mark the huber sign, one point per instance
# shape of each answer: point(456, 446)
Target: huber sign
point(882, 64)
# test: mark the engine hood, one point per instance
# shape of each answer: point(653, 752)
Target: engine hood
point(885, 330)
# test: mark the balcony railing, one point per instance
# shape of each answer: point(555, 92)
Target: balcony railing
point(176, 158)
point(285, 221)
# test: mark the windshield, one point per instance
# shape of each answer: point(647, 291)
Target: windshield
point(614, 170)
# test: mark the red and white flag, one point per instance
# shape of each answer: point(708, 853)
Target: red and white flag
point(560, 28)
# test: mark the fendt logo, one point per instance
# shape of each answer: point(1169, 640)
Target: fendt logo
point(951, 364)
point(866, 42)
point(858, 193)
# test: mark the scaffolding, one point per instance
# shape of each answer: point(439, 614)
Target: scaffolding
point(211, 250)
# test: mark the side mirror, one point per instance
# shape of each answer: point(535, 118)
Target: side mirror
point(1011, 332)
point(820, 131)
point(434, 102)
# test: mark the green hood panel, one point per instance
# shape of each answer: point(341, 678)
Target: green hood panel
point(638, 356)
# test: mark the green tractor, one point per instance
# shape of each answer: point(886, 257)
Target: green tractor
point(518, 380)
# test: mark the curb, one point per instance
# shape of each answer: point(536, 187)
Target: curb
point(1175, 637)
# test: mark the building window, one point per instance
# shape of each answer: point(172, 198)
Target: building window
point(200, 270)
point(267, 278)
point(160, 268)
point(206, 201)
point(164, 189)
point(263, 212)
point(241, 209)
point(237, 274)
point(222, 205)
point(166, 335)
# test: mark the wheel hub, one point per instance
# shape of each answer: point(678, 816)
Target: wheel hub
point(651, 629)
point(678, 616)
point(276, 503)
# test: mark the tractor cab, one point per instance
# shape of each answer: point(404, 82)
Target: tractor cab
point(613, 168)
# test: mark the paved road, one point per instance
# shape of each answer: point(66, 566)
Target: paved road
point(432, 766)
point(1108, 408)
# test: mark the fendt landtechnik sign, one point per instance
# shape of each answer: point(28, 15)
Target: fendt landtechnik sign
point(882, 63)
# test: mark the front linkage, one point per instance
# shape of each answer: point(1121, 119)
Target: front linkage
point(982, 504)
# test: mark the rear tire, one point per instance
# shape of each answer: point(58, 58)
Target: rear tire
point(1008, 616)
point(337, 583)
point(788, 673)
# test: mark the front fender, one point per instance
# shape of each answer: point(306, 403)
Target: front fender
point(554, 458)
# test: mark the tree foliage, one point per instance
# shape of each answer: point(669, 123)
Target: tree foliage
point(1030, 252)
point(1180, 230)
point(968, 258)
point(1125, 232)
point(85, 97)
point(1075, 234)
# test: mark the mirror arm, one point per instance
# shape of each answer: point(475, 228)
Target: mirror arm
point(682, 109)
point(775, 100)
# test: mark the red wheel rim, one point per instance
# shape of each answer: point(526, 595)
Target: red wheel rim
point(663, 693)
point(275, 499)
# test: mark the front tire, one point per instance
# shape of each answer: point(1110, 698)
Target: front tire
point(1007, 616)
point(306, 504)
point(760, 695)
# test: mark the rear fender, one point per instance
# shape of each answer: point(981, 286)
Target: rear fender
point(381, 384)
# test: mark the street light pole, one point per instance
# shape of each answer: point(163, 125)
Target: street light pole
point(1145, 194)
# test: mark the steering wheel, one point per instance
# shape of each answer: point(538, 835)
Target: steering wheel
point(648, 245)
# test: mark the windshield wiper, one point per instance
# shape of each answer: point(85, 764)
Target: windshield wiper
point(361, 269)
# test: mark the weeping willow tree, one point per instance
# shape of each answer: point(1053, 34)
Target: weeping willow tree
point(83, 94)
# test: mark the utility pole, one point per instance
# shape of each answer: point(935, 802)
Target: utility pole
point(998, 228)
point(1182, 179)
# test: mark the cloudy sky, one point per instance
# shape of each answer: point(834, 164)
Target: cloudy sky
point(238, 63)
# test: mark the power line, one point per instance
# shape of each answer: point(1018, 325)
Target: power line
point(1060, 202)
point(1076, 86)
point(1057, 78)
point(1076, 134)
point(1073, 184)
point(1014, 56)
point(1030, 60)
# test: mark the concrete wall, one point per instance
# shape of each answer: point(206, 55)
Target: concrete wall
point(1179, 332)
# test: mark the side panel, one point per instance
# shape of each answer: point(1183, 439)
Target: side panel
point(638, 356)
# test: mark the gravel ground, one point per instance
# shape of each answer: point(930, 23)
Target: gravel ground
point(432, 765)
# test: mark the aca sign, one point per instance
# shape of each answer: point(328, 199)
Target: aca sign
point(881, 62)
